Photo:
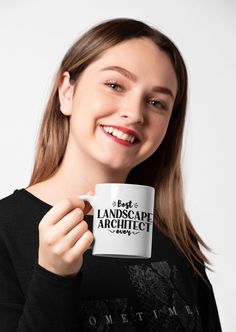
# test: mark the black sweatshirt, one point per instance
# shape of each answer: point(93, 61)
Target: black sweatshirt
point(108, 294)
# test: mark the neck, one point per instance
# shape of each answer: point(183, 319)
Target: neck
point(77, 175)
point(79, 178)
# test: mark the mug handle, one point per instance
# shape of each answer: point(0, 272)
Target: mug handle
point(88, 198)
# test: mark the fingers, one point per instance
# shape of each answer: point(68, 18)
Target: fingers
point(69, 240)
point(58, 211)
point(64, 237)
point(81, 245)
point(69, 221)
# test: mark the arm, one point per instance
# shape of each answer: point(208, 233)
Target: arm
point(45, 300)
point(50, 304)
point(207, 305)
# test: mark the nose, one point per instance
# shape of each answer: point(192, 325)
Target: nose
point(132, 112)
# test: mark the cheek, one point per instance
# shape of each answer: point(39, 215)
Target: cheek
point(87, 113)
point(155, 135)
point(158, 130)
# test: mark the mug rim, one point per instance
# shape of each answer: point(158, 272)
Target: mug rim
point(109, 184)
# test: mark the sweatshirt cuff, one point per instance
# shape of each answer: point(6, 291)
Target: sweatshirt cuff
point(55, 278)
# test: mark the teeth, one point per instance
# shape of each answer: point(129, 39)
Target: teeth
point(118, 133)
point(115, 132)
point(125, 137)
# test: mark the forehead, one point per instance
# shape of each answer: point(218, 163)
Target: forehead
point(141, 57)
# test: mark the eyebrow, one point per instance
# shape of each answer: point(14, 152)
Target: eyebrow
point(132, 77)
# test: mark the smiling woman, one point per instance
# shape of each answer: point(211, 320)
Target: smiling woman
point(115, 114)
point(127, 110)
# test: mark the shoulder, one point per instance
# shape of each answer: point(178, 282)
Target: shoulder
point(9, 205)
point(19, 209)
point(9, 208)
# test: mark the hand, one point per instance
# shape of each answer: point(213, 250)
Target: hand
point(64, 237)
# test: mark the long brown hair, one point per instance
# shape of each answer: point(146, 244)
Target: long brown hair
point(163, 169)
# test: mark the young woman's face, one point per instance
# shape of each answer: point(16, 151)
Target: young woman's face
point(122, 104)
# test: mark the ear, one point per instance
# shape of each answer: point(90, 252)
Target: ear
point(66, 91)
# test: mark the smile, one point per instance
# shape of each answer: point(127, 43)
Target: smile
point(119, 135)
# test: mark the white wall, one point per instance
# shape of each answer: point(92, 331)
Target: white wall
point(34, 36)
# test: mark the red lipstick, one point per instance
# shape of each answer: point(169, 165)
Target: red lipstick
point(118, 140)
point(126, 131)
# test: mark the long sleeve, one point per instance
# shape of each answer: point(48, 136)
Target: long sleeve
point(108, 294)
point(207, 306)
point(50, 304)
point(32, 299)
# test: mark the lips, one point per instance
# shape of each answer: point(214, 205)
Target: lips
point(122, 133)
point(120, 136)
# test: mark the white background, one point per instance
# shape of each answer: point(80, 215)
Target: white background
point(34, 36)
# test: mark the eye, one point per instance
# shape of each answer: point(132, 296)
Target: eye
point(158, 104)
point(114, 85)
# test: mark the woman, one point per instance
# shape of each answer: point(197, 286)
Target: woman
point(122, 81)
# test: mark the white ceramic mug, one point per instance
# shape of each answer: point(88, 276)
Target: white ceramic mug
point(122, 220)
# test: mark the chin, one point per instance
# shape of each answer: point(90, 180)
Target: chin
point(113, 165)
